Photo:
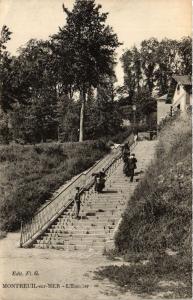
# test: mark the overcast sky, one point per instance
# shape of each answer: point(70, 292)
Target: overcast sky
point(132, 20)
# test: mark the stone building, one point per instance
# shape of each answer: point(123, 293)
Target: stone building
point(180, 92)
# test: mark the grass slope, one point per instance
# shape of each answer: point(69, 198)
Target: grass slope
point(155, 233)
point(30, 174)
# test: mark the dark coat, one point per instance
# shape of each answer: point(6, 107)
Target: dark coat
point(132, 163)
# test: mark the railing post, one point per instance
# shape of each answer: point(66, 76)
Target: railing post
point(21, 235)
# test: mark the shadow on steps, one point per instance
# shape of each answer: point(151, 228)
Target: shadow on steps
point(109, 192)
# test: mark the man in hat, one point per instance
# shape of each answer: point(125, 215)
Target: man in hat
point(77, 202)
point(132, 166)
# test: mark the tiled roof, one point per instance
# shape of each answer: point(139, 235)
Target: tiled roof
point(163, 97)
point(183, 79)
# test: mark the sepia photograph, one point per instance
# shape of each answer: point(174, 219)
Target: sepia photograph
point(95, 149)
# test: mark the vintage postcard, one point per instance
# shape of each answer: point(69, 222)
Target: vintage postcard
point(95, 149)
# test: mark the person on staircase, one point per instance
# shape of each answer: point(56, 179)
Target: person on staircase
point(96, 180)
point(77, 202)
point(102, 179)
point(135, 137)
point(125, 158)
point(132, 165)
point(125, 153)
point(99, 181)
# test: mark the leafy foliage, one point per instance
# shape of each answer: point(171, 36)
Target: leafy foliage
point(39, 86)
point(149, 68)
point(89, 45)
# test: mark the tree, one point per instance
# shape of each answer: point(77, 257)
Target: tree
point(6, 90)
point(6, 98)
point(4, 127)
point(4, 38)
point(37, 97)
point(185, 53)
point(68, 119)
point(90, 47)
point(103, 117)
point(149, 69)
point(131, 61)
point(148, 61)
point(145, 104)
point(34, 69)
point(167, 64)
point(129, 79)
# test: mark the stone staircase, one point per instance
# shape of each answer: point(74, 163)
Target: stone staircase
point(99, 213)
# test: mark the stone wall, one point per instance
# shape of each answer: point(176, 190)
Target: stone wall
point(163, 109)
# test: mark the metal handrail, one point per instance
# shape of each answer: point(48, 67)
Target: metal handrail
point(84, 173)
point(48, 213)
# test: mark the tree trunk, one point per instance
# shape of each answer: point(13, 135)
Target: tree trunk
point(83, 100)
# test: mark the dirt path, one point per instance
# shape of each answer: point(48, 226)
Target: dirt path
point(54, 267)
point(71, 272)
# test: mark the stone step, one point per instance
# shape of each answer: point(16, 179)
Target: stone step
point(70, 247)
point(80, 224)
point(99, 215)
point(82, 231)
point(85, 232)
point(90, 223)
point(79, 237)
point(105, 200)
point(98, 204)
point(99, 234)
point(82, 220)
point(111, 216)
point(83, 227)
point(99, 209)
point(73, 242)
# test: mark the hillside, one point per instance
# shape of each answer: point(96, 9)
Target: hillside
point(155, 232)
point(29, 175)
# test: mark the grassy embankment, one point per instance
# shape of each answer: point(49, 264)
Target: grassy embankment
point(155, 233)
point(30, 174)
